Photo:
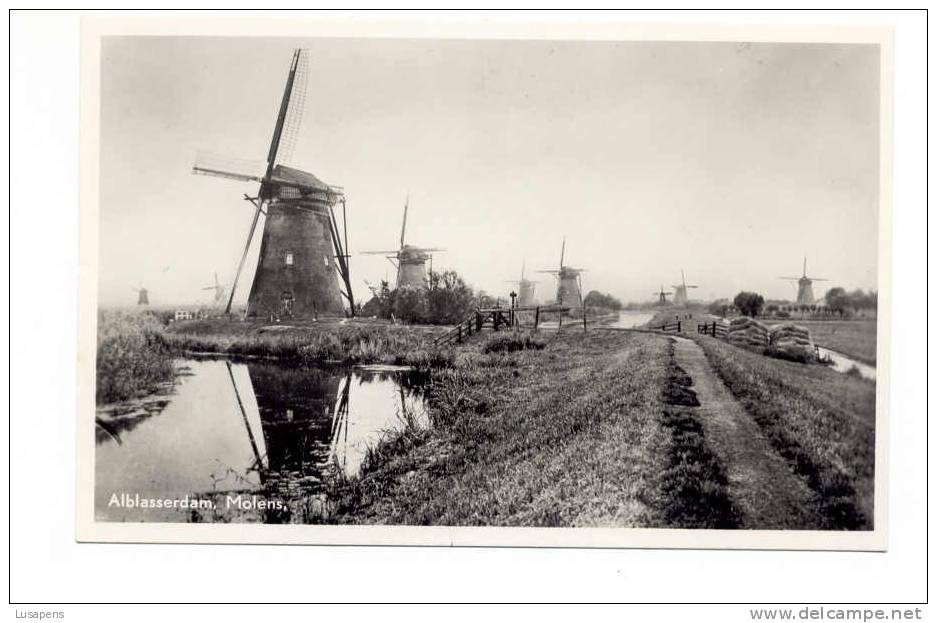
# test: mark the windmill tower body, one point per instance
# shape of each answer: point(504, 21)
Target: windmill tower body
point(296, 273)
point(143, 297)
point(661, 296)
point(568, 293)
point(680, 291)
point(526, 295)
point(679, 295)
point(526, 289)
point(568, 290)
point(805, 291)
point(411, 267)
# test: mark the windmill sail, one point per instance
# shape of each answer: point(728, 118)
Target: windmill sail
point(403, 228)
point(239, 169)
point(291, 114)
point(299, 196)
point(295, 105)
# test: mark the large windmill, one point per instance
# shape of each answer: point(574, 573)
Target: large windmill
point(219, 296)
point(302, 252)
point(569, 283)
point(679, 292)
point(409, 260)
point(805, 286)
point(661, 296)
point(526, 289)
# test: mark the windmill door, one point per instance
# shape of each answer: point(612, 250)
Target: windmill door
point(286, 304)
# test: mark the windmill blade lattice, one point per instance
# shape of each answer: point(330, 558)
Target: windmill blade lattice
point(294, 110)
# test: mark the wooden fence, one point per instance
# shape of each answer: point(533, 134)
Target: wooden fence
point(715, 329)
point(497, 318)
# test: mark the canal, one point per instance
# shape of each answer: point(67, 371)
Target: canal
point(256, 428)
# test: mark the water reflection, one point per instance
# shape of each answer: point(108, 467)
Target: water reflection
point(235, 429)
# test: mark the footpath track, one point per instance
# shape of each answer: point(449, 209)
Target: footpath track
point(761, 483)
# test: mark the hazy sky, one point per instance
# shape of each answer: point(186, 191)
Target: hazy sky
point(731, 160)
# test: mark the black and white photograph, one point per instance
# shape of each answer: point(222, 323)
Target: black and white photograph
point(599, 285)
point(355, 313)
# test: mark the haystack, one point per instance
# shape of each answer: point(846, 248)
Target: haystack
point(747, 331)
point(790, 337)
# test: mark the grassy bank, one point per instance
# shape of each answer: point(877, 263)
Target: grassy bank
point(348, 342)
point(132, 357)
point(575, 434)
point(822, 422)
point(135, 350)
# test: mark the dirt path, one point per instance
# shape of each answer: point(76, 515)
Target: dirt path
point(760, 482)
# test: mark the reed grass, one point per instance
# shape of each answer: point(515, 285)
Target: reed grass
point(310, 344)
point(511, 341)
point(133, 359)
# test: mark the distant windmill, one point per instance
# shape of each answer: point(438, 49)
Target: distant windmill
point(219, 289)
point(143, 297)
point(805, 286)
point(301, 250)
point(569, 283)
point(679, 292)
point(661, 296)
point(410, 260)
point(527, 289)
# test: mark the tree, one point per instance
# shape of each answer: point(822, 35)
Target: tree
point(410, 304)
point(861, 300)
point(719, 307)
point(484, 300)
point(604, 301)
point(749, 303)
point(448, 299)
point(382, 303)
point(838, 301)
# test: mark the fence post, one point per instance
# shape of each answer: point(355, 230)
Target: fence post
point(459, 339)
point(536, 318)
point(679, 327)
point(583, 319)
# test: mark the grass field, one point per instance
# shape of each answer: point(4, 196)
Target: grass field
point(576, 434)
point(822, 422)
